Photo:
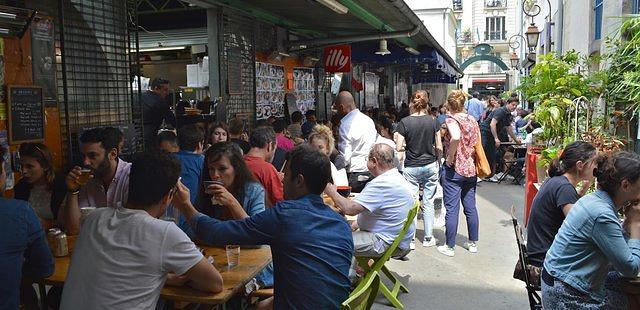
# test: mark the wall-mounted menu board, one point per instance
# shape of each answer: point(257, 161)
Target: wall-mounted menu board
point(269, 90)
point(305, 89)
point(26, 114)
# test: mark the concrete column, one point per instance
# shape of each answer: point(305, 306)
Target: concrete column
point(214, 61)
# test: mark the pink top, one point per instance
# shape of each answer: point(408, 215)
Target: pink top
point(284, 142)
point(465, 155)
point(93, 193)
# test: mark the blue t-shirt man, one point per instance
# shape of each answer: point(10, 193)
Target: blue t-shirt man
point(192, 165)
point(311, 245)
point(475, 107)
point(23, 250)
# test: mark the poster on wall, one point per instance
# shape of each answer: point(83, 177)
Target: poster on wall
point(4, 143)
point(371, 85)
point(43, 50)
point(269, 90)
point(304, 89)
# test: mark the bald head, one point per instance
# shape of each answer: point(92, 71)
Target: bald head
point(345, 102)
point(381, 159)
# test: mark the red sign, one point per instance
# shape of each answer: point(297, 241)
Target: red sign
point(337, 58)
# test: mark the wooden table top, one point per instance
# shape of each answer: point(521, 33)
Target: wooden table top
point(251, 262)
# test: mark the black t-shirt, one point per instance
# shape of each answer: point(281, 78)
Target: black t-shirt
point(244, 145)
point(504, 119)
point(546, 216)
point(420, 135)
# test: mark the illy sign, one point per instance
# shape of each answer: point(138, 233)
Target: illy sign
point(337, 58)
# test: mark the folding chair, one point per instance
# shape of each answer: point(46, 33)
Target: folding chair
point(364, 294)
point(535, 302)
point(378, 265)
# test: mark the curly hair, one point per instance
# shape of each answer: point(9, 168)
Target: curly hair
point(420, 100)
point(325, 133)
point(614, 169)
point(456, 100)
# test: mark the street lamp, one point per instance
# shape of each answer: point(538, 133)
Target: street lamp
point(514, 60)
point(533, 34)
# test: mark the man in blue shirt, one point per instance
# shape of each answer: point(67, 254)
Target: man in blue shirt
point(474, 106)
point(311, 244)
point(23, 251)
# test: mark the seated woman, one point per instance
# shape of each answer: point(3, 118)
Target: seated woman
point(218, 132)
point(40, 185)
point(591, 242)
point(321, 138)
point(556, 197)
point(224, 163)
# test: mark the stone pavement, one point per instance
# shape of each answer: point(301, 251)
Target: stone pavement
point(468, 281)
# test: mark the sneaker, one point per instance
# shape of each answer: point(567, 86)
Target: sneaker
point(446, 250)
point(471, 246)
point(427, 242)
point(412, 245)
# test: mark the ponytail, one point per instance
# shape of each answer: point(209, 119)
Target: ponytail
point(556, 168)
point(571, 155)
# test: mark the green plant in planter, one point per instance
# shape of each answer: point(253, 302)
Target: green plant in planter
point(622, 88)
point(548, 155)
point(466, 35)
point(555, 81)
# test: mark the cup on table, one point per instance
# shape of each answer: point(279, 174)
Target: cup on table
point(233, 255)
point(214, 201)
point(85, 175)
point(344, 191)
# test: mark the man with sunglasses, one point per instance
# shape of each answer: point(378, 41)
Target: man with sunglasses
point(123, 256)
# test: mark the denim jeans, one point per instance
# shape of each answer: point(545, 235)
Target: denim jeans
point(427, 176)
point(457, 188)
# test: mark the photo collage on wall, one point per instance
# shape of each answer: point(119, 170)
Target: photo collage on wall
point(269, 90)
point(305, 89)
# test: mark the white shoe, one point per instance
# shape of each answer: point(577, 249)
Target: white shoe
point(412, 245)
point(471, 246)
point(427, 242)
point(446, 250)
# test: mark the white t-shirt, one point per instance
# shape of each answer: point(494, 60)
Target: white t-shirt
point(357, 136)
point(121, 259)
point(387, 200)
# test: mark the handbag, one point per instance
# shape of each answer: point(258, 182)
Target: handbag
point(533, 272)
point(483, 170)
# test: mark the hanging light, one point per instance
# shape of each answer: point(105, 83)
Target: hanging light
point(383, 50)
point(514, 59)
point(533, 34)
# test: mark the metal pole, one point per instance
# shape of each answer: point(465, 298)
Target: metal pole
point(65, 94)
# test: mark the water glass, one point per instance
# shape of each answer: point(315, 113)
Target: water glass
point(233, 255)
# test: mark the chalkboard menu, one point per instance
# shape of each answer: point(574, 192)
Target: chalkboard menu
point(26, 114)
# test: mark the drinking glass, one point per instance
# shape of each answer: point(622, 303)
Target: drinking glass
point(233, 255)
point(85, 175)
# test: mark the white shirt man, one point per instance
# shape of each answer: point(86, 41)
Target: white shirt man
point(382, 207)
point(357, 136)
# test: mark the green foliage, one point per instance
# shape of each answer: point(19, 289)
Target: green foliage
point(555, 81)
point(622, 85)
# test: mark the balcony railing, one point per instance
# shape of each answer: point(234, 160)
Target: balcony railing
point(495, 4)
point(457, 5)
point(495, 35)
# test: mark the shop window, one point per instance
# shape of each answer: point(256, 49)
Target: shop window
point(598, 19)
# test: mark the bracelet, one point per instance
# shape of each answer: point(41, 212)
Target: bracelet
point(76, 192)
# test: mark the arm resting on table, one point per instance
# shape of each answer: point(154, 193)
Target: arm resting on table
point(608, 236)
point(260, 228)
point(203, 276)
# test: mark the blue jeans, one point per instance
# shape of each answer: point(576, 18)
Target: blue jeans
point(457, 188)
point(427, 176)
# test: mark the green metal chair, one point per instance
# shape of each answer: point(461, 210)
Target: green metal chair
point(364, 294)
point(378, 265)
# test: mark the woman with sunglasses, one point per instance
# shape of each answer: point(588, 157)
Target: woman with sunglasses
point(557, 195)
point(40, 185)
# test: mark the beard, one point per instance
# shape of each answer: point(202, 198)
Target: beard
point(103, 168)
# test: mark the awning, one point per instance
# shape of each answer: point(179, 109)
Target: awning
point(429, 60)
point(310, 19)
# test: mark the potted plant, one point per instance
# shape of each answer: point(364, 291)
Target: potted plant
point(466, 35)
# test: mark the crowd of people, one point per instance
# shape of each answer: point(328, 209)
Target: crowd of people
point(218, 185)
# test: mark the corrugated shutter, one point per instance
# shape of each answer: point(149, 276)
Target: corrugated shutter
point(172, 38)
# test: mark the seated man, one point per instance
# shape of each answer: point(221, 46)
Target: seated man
point(382, 206)
point(167, 141)
point(259, 158)
point(191, 142)
point(310, 243)
point(23, 250)
point(110, 183)
point(123, 256)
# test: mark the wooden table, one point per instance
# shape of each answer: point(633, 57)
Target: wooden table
point(252, 261)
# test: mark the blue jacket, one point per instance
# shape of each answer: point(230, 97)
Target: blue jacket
point(311, 245)
point(23, 250)
point(591, 241)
